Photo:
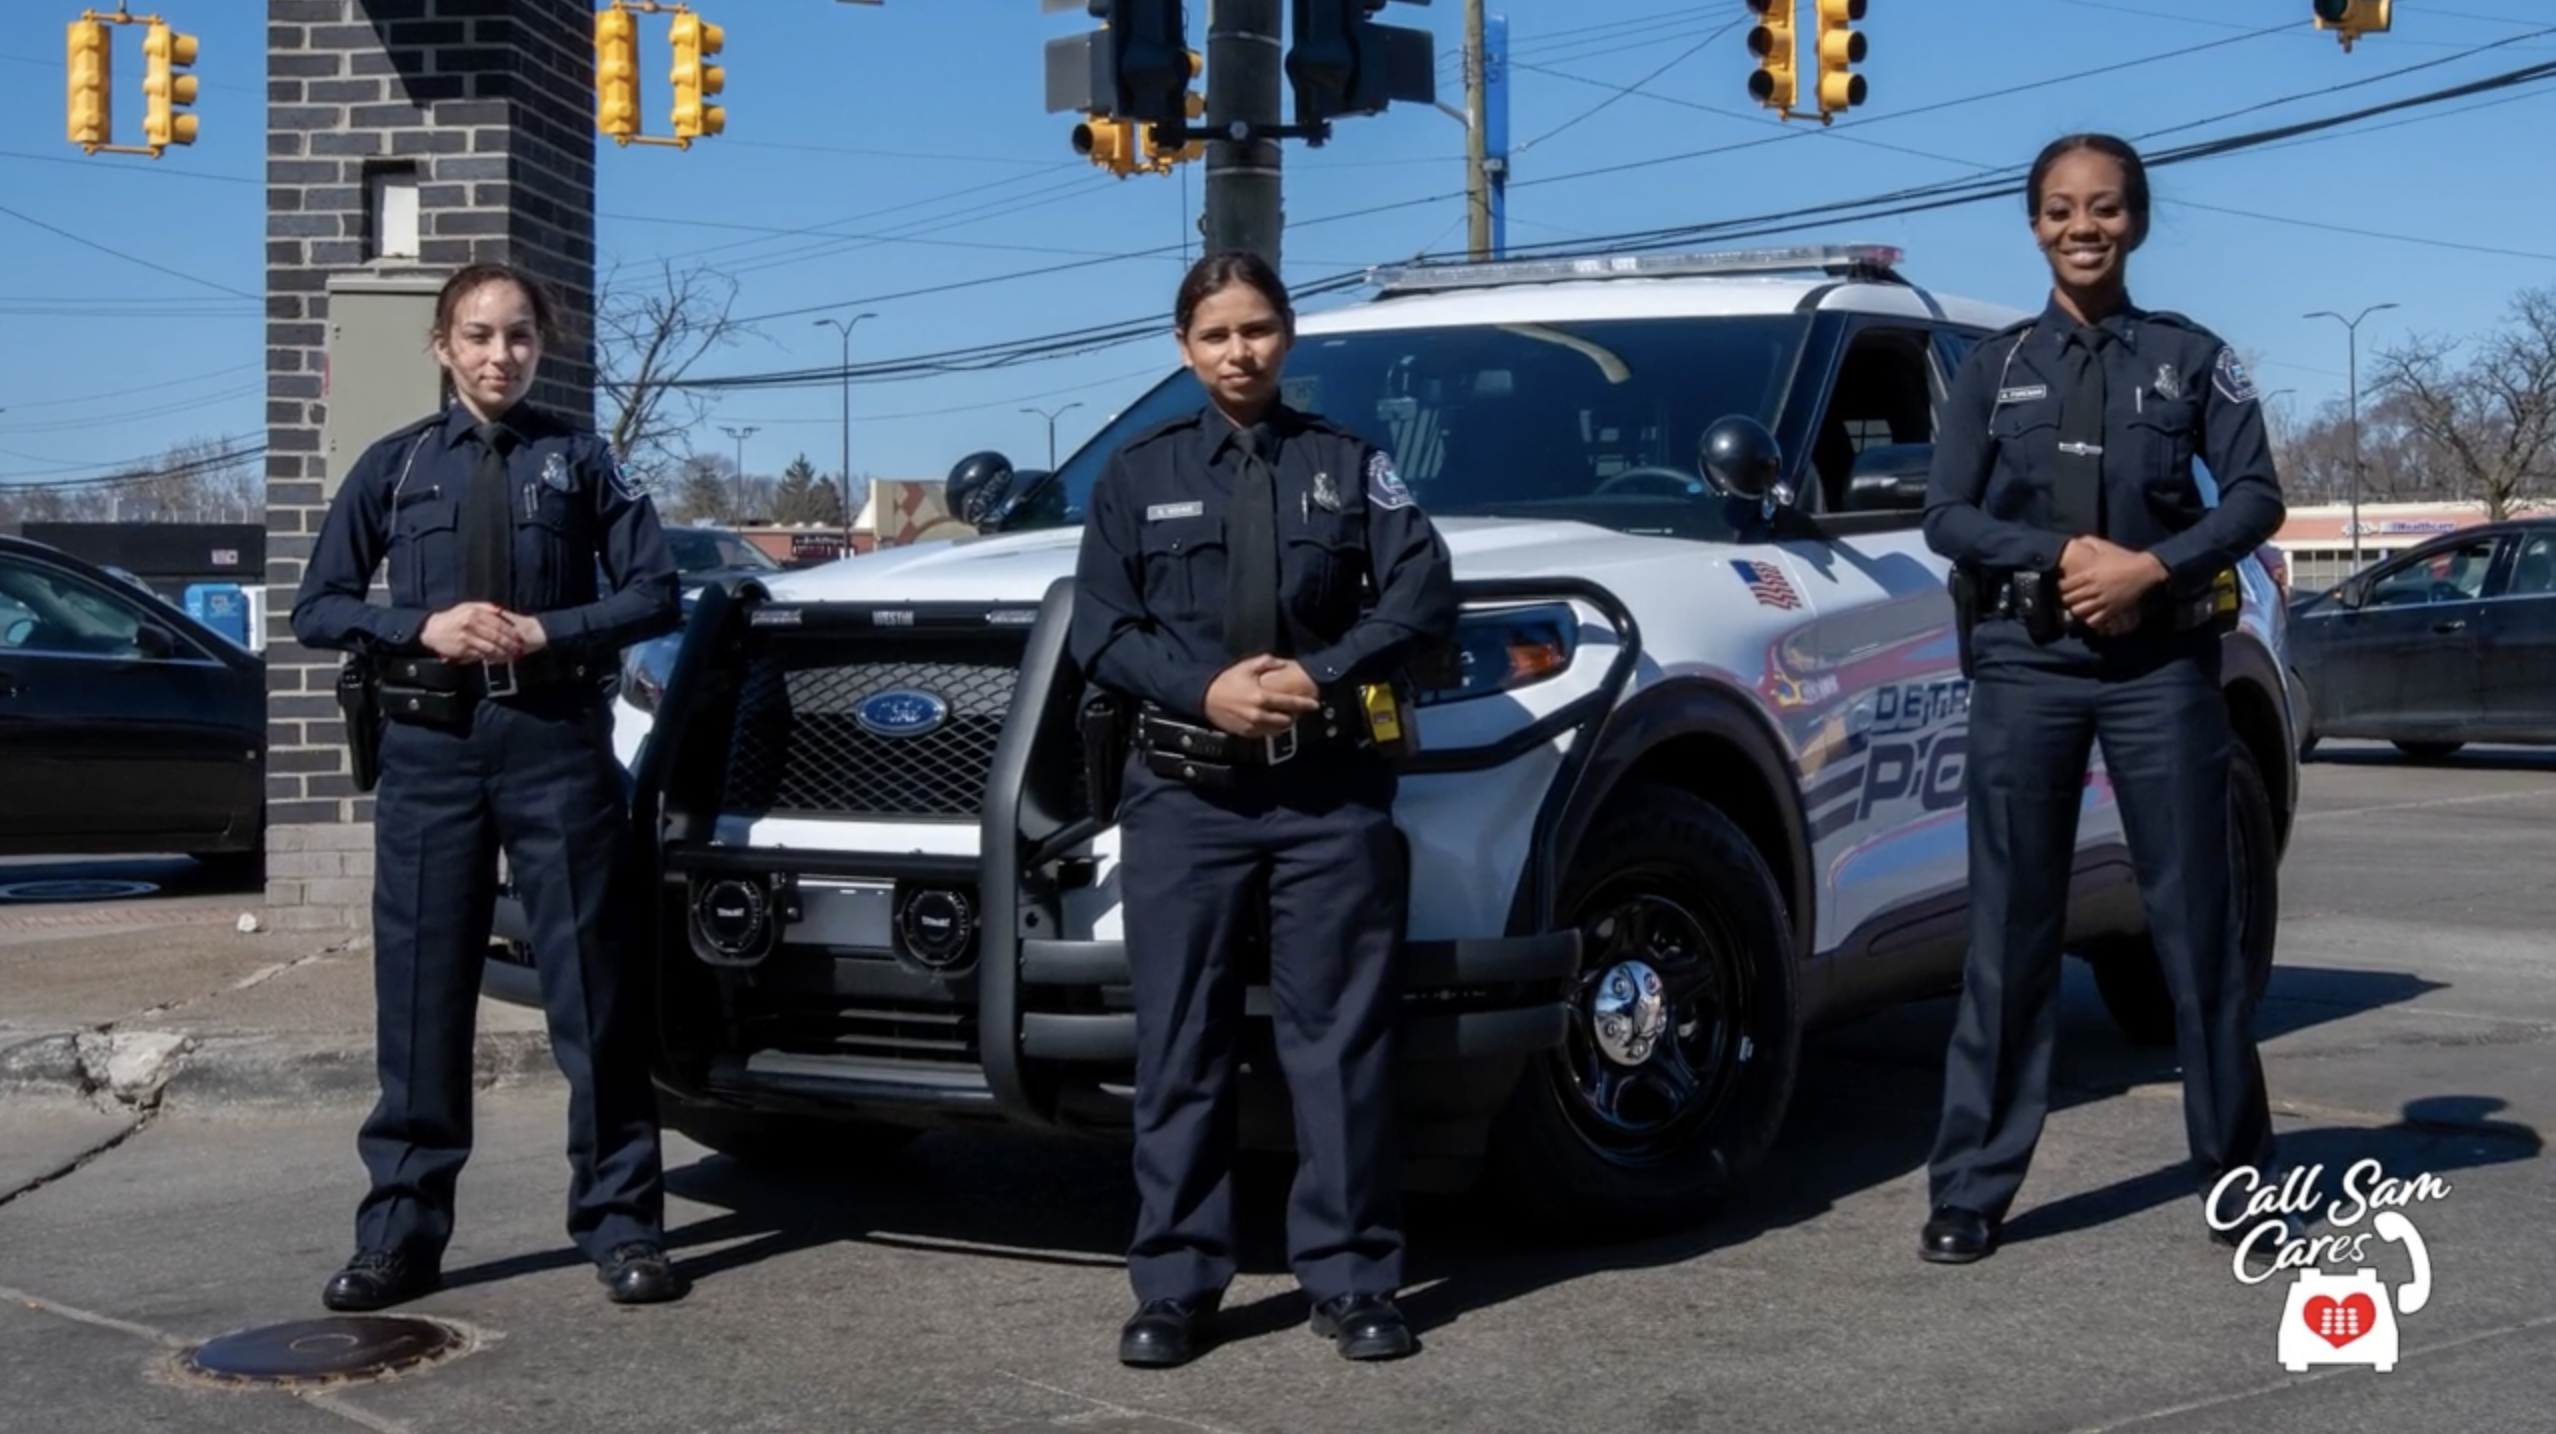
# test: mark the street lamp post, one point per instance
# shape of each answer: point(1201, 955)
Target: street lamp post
point(740, 435)
point(2352, 343)
point(846, 327)
point(1051, 428)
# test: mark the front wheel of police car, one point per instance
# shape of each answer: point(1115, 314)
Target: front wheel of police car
point(1685, 1028)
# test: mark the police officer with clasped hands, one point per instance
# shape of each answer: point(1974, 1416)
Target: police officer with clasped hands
point(492, 657)
point(2063, 489)
point(1220, 587)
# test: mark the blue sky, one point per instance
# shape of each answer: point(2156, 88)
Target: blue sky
point(873, 150)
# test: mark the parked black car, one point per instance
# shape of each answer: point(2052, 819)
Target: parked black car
point(125, 725)
point(707, 555)
point(2451, 643)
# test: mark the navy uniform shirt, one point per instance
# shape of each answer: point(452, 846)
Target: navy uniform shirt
point(1151, 586)
point(403, 500)
point(2173, 392)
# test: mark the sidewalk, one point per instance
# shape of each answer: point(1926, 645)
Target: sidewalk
point(128, 1007)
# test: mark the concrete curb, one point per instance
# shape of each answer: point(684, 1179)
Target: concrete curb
point(146, 1069)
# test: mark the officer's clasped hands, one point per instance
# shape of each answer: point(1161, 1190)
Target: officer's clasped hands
point(2102, 583)
point(475, 632)
point(1260, 696)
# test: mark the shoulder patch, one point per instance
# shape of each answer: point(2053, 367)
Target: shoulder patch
point(623, 486)
point(2228, 375)
point(1384, 486)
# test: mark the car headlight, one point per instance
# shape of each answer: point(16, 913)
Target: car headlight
point(1500, 650)
point(644, 669)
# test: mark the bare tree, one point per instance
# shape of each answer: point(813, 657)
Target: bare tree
point(201, 480)
point(2492, 420)
point(650, 331)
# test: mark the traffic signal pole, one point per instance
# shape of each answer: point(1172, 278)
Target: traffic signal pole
point(1244, 208)
point(1477, 174)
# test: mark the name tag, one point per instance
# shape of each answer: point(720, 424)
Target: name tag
point(1160, 511)
point(2023, 395)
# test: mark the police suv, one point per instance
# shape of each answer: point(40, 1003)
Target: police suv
point(1689, 779)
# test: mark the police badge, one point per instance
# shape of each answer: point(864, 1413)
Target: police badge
point(554, 473)
point(1326, 494)
point(2169, 385)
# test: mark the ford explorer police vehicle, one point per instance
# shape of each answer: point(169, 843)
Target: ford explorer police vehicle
point(1689, 782)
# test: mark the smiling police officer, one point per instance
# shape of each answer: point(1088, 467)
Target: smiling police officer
point(2063, 489)
point(1224, 580)
point(491, 655)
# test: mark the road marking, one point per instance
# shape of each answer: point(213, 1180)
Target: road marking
point(2324, 813)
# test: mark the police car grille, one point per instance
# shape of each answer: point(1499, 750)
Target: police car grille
point(800, 745)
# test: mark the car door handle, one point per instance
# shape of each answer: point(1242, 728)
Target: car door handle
point(2456, 624)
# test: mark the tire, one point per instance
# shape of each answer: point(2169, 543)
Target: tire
point(2126, 973)
point(802, 1143)
point(1593, 1144)
point(2428, 751)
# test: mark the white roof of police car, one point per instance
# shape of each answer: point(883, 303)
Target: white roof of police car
point(1583, 300)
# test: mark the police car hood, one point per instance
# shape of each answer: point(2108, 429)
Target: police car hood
point(1019, 567)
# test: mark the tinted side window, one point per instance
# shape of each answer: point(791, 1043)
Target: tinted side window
point(2455, 574)
point(42, 610)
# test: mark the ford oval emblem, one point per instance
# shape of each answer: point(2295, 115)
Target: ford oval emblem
point(903, 713)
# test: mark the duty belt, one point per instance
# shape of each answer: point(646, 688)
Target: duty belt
point(550, 667)
point(2015, 594)
point(1203, 756)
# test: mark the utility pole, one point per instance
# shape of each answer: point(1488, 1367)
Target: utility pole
point(1477, 175)
point(2352, 329)
point(1051, 428)
point(740, 435)
point(1245, 74)
point(846, 475)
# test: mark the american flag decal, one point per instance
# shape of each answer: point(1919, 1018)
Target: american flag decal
point(1766, 584)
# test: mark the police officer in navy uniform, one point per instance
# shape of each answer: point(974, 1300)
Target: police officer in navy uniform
point(494, 653)
point(1220, 586)
point(2063, 485)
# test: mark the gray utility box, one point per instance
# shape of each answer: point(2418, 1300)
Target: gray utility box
point(381, 368)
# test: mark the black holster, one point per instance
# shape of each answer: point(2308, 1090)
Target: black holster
point(1964, 584)
point(359, 701)
point(1108, 728)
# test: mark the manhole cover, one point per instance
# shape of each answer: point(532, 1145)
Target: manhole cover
point(336, 1350)
point(74, 889)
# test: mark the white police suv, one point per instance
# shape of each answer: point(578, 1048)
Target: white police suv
point(1689, 783)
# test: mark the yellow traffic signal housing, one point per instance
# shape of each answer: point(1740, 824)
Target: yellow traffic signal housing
point(1772, 42)
point(617, 74)
point(2351, 19)
point(89, 105)
point(1109, 143)
point(695, 38)
point(1193, 110)
point(1840, 48)
point(164, 53)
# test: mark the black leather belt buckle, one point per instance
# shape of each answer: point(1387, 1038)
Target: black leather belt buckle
point(498, 679)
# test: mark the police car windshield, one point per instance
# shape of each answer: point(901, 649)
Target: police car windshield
point(1516, 420)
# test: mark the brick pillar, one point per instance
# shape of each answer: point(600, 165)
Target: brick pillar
point(487, 107)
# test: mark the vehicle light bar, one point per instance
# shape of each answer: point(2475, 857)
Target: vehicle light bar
point(1859, 260)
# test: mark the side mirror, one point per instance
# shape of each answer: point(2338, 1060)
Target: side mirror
point(1742, 459)
point(1889, 477)
point(980, 487)
point(154, 642)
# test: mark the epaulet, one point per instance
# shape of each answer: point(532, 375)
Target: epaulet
point(2173, 320)
point(1164, 429)
point(2013, 329)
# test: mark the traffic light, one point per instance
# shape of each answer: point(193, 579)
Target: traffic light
point(1343, 63)
point(617, 74)
point(89, 105)
point(694, 80)
point(1771, 41)
point(1840, 47)
point(1109, 143)
point(2351, 19)
point(1134, 67)
point(164, 53)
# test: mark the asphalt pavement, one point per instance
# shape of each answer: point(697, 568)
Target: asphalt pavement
point(974, 1282)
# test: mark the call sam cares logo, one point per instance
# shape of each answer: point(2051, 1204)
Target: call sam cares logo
point(2331, 1318)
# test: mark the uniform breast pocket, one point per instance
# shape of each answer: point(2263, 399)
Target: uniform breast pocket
point(1326, 556)
point(2163, 435)
point(546, 531)
point(421, 535)
point(1184, 565)
point(2027, 437)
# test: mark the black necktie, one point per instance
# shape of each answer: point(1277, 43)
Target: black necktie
point(1251, 551)
point(2076, 496)
point(488, 523)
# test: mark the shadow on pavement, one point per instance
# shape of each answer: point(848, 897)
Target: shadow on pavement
point(1863, 1116)
point(2468, 759)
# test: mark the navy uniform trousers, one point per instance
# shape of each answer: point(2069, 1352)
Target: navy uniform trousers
point(536, 773)
point(1316, 838)
point(2034, 713)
